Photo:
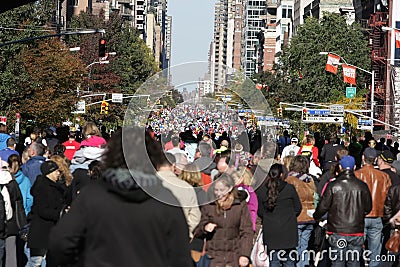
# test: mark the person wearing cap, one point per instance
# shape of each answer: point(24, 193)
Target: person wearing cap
point(48, 204)
point(292, 149)
point(384, 163)
point(378, 183)
point(347, 200)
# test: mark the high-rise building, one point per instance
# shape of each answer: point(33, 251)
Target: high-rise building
point(284, 16)
point(315, 8)
point(254, 23)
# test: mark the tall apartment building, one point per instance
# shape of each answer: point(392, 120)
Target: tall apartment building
point(315, 8)
point(254, 22)
point(284, 16)
point(149, 17)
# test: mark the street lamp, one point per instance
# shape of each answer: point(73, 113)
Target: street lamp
point(372, 73)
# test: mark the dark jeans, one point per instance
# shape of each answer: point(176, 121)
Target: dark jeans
point(346, 250)
point(284, 257)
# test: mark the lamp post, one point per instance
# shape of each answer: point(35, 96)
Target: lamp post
point(372, 73)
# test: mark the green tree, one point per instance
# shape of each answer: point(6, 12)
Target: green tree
point(300, 74)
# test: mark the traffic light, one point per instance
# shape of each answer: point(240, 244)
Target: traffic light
point(304, 113)
point(279, 112)
point(102, 47)
point(104, 107)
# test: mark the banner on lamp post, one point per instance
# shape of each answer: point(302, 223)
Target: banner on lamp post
point(332, 63)
point(349, 74)
point(397, 38)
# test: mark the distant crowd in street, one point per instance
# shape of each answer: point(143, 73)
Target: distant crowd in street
point(200, 190)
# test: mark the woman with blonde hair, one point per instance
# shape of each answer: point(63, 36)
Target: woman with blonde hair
point(191, 174)
point(243, 181)
point(65, 177)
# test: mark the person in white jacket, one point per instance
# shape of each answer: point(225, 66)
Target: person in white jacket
point(5, 178)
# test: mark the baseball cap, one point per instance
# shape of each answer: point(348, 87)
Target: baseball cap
point(347, 162)
point(294, 139)
point(48, 167)
point(370, 153)
point(387, 156)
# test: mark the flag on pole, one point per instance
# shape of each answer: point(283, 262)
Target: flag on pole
point(349, 74)
point(397, 38)
point(332, 63)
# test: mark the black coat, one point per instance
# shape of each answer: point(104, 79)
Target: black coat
point(112, 223)
point(347, 200)
point(280, 224)
point(15, 197)
point(48, 202)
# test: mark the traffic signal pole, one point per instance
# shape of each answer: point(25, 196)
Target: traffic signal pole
point(52, 35)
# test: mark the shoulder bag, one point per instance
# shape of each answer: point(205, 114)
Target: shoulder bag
point(393, 244)
point(259, 254)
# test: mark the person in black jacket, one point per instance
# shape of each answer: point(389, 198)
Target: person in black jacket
point(127, 218)
point(347, 200)
point(278, 206)
point(48, 202)
point(17, 221)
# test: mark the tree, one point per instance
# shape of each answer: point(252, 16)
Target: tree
point(300, 74)
point(53, 75)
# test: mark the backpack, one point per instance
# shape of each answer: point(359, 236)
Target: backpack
point(307, 151)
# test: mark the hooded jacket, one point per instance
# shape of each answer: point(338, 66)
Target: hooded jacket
point(117, 217)
point(233, 236)
point(25, 188)
point(305, 187)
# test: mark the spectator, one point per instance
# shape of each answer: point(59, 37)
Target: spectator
point(32, 167)
point(226, 224)
point(205, 163)
point(384, 162)
point(355, 150)
point(347, 201)
point(104, 133)
point(71, 146)
point(290, 150)
point(378, 183)
point(9, 150)
point(328, 153)
point(183, 191)
point(48, 203)
point(304, 183)
point(3, 136)
point(6, 210)
point(278, 207)
point(130, 187)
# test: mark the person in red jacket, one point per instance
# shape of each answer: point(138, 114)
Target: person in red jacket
point(71, 146)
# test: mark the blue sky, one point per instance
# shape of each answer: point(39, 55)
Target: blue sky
point(192, 29)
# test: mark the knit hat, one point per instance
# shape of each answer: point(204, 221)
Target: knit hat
point(48, 167)
point(387, 156)
point(370, 153)
point(347, 162)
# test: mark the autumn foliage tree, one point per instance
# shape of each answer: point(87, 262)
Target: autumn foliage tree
point(53, 74)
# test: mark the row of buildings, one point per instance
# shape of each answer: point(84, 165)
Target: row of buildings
point(249, 34)
point(149, 17)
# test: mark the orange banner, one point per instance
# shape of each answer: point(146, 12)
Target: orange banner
point(332, 63)
point(349, 74)
point(397, 38)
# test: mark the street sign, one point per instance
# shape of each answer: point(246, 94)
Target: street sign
point(80, 107)
point(319, 119)
point(351, 92)
point(336, 110)
point(116, 98)
point(364, 124)
point(320, 112)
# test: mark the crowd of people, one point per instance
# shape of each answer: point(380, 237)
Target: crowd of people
point(196, 191)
